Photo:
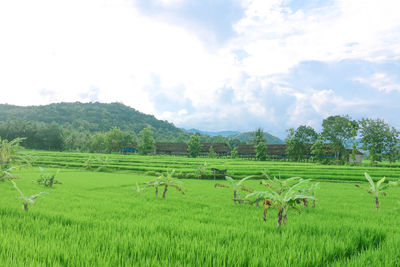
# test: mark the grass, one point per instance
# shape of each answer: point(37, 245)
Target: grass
point(97, 219)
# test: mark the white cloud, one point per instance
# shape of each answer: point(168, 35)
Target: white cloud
point(55, 50)
point(382, 82)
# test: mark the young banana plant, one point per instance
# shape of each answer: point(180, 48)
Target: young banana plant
point(47, 179)
point(165, 180)
point(235, 186)
point(377, 189)
point(284, 195)
point(27, 200)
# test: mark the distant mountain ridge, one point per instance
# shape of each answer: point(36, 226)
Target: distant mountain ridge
point(212, 134)
point(101, 117)
point(247, 136)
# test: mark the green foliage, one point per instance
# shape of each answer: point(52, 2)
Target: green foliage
point(146, 141)
point(201, 170)
point(11, 157)
point(377, 189)
point(165, 180)
point(211, 153)
point(338, 131)
point(236, 186)
point(47, 179)
point(298, 142)
point(27, 200)
point(259, 144)
point(234, 153)
point(194, 146)
point(379, 139)
point(284, 194)
point(319, 151)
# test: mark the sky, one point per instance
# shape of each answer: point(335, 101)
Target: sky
point(212, 64)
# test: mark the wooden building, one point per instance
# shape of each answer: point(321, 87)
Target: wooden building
point(221, 149)
point(279, 152)
point(166, 148)
point(181, 149)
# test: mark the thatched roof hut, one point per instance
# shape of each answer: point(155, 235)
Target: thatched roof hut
point(167, 148)
point(221, 149)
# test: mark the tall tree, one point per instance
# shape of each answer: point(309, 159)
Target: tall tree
point(338, 131)
point(378, 138)
point(259, 144)
point(146, 141)
point(299, 141)
point(194, 145)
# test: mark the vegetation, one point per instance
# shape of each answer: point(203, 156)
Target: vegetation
point(94, 218)
point(338, 131)
point(299, 141)
point(27, 200)
point(235, 186)
point(259, 144)
point(284, 194)
point(376, 189)
point(194, 146)
point(379, 139)
point(164, 180)
point(146, 141)
point(47, 179)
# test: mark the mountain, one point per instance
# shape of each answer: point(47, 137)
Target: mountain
point(212, 134)
point(91, 117)
point(247, 136)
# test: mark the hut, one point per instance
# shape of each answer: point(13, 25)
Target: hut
point(221, 149)
point(166, 148)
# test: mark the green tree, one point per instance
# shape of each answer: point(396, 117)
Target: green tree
point(259, 144)
point(378, 138)
point(234, 153)
point(319, 150)
point(338, 130)
point(97, 143)
point(117, 139)
point(299, 141)
point(146, 141)
point(236, 186)
point(194, 146)
point(211, 153)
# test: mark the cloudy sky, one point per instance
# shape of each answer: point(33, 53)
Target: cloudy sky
point(207, 64)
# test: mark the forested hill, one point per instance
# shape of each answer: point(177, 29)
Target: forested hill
point(92, 117)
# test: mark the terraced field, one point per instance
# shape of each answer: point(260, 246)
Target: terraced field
point(98, 218)
point(236, 167)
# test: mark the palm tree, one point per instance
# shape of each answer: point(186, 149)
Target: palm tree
point(283, 194)
point(377, 188)
point(27, 200)
point(235, 186)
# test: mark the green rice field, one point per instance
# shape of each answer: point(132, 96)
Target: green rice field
point(98, 219)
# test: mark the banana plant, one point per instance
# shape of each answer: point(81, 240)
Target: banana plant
point(284, 195)
point(27, 200)
point(164, 180)
point(377, 189)
point(235, 186)
point(11, 156)
point(47, 179)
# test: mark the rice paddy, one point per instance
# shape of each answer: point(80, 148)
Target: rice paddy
point(98, 219)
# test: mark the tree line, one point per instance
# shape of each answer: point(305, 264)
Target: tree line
point(375, 136)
